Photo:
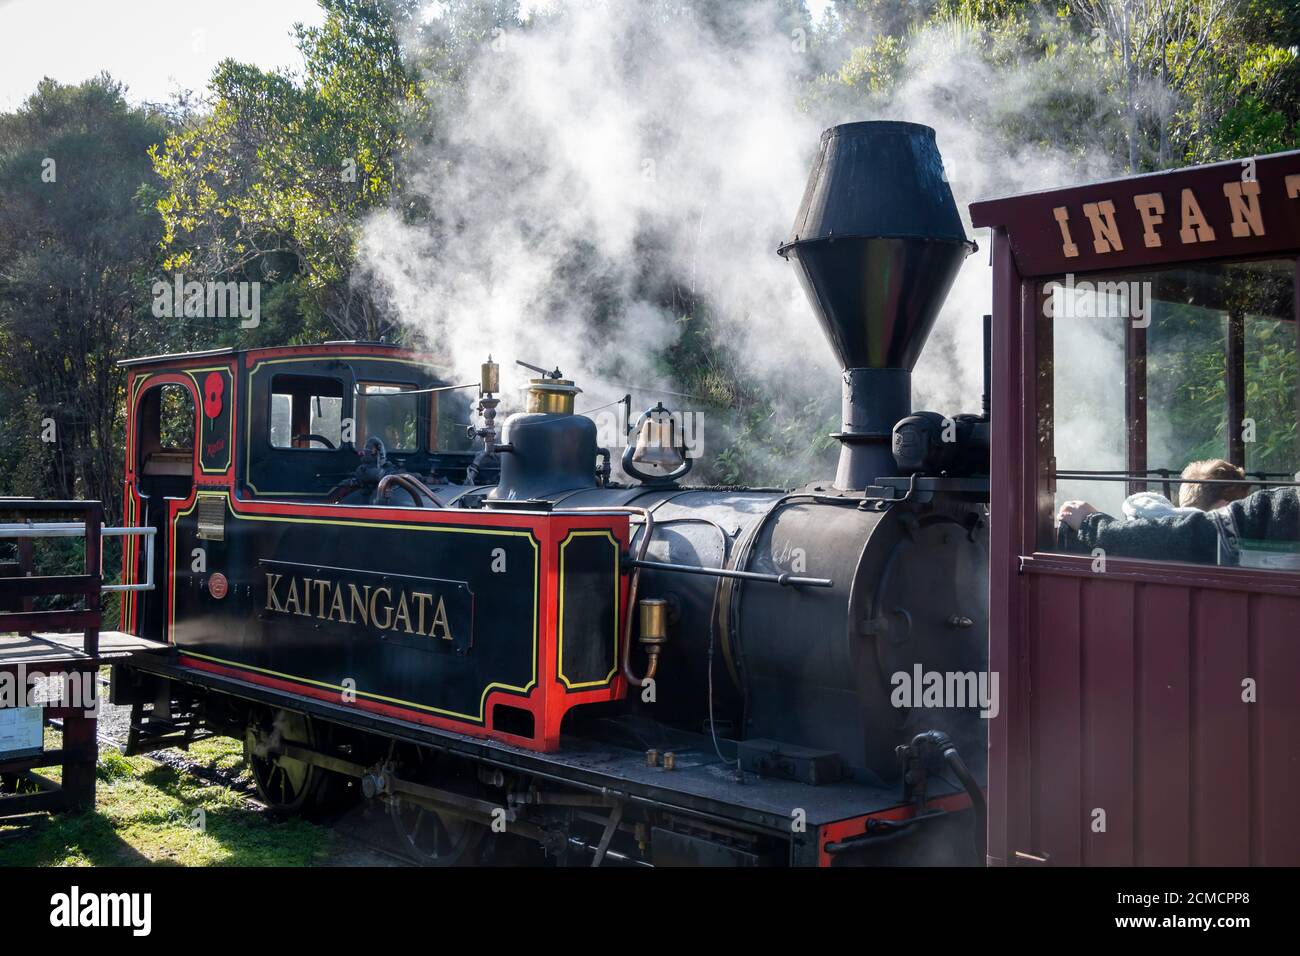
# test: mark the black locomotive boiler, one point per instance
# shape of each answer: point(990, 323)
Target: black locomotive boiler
point(513, 653)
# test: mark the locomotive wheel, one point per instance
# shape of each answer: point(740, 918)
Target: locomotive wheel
point(286, 785)
point(430, 837)
point(434, 837)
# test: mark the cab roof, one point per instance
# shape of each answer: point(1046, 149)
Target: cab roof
point(324, 349)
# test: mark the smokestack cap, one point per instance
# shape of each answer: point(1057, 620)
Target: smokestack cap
point(877, 180)
point(877, 241)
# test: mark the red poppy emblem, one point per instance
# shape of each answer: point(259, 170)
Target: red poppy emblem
point(213, 386)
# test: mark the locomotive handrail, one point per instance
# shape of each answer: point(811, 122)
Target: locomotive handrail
point(786, 580)
point(77, 529)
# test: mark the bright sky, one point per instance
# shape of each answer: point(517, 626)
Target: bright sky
point(153, 46)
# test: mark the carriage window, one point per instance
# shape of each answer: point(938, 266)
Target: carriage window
point(306, 412)
point(384, 412)
point(1165, 394)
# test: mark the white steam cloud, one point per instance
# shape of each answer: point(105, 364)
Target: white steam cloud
point(615, 152)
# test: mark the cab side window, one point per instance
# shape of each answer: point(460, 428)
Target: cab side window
point(453, 415)
point(306, 412)
point(388, 413)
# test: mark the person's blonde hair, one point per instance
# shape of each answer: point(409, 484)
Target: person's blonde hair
point(1206, 496)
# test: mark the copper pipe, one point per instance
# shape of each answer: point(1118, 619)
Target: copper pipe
point(437, 502)
point(413, 485)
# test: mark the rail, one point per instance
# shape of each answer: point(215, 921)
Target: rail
point(1077, 475)
point(19, 519)
point(19, 591)
point(76, 529)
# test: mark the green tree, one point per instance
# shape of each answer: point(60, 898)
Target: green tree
point(77, 249)
point(273, 181)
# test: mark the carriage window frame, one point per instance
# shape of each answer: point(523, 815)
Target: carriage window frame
point(346, 409)
point(1041, 531)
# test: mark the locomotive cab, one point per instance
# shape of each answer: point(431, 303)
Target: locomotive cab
point(281, 424)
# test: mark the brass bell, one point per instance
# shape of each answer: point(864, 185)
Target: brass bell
point(656, 443)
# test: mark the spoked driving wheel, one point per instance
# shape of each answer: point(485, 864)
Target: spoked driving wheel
point(285, 784)
point(429, 834)
point(433, 837)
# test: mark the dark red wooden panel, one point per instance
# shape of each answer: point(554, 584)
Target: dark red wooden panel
point(1220, 831)
point(1056, 717)
point(1106, 630)
point(1163, 764)
point(1136, 707)
point(1275, 665)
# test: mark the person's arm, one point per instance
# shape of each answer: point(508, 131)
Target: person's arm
point(1185, 538)
point(1271, 514)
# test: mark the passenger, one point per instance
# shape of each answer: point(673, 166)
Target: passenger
point(1191, 497)
point(1203, 537)
point(1211, 497)
point(1152, 504)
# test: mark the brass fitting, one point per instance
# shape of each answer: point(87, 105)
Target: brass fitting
point(554, 396)
point(654, 631)
point(489, 378)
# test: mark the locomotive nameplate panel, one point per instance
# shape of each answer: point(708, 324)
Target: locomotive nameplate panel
point(432, 625)
point(431, 614)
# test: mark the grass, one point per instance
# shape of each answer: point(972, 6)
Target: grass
point(148, 813)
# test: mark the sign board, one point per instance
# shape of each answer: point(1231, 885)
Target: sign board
point(1225, 210)
point(22, 732)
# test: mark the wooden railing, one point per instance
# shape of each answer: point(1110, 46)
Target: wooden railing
point(23, 519)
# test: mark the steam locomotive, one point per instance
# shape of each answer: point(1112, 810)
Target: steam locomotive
point(516, 656)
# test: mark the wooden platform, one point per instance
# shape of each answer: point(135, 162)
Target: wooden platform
point(42, 649)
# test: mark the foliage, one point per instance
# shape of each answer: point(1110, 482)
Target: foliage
point(754, 436)
point(274, 179)
point(76, 247)
point(147, 813)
